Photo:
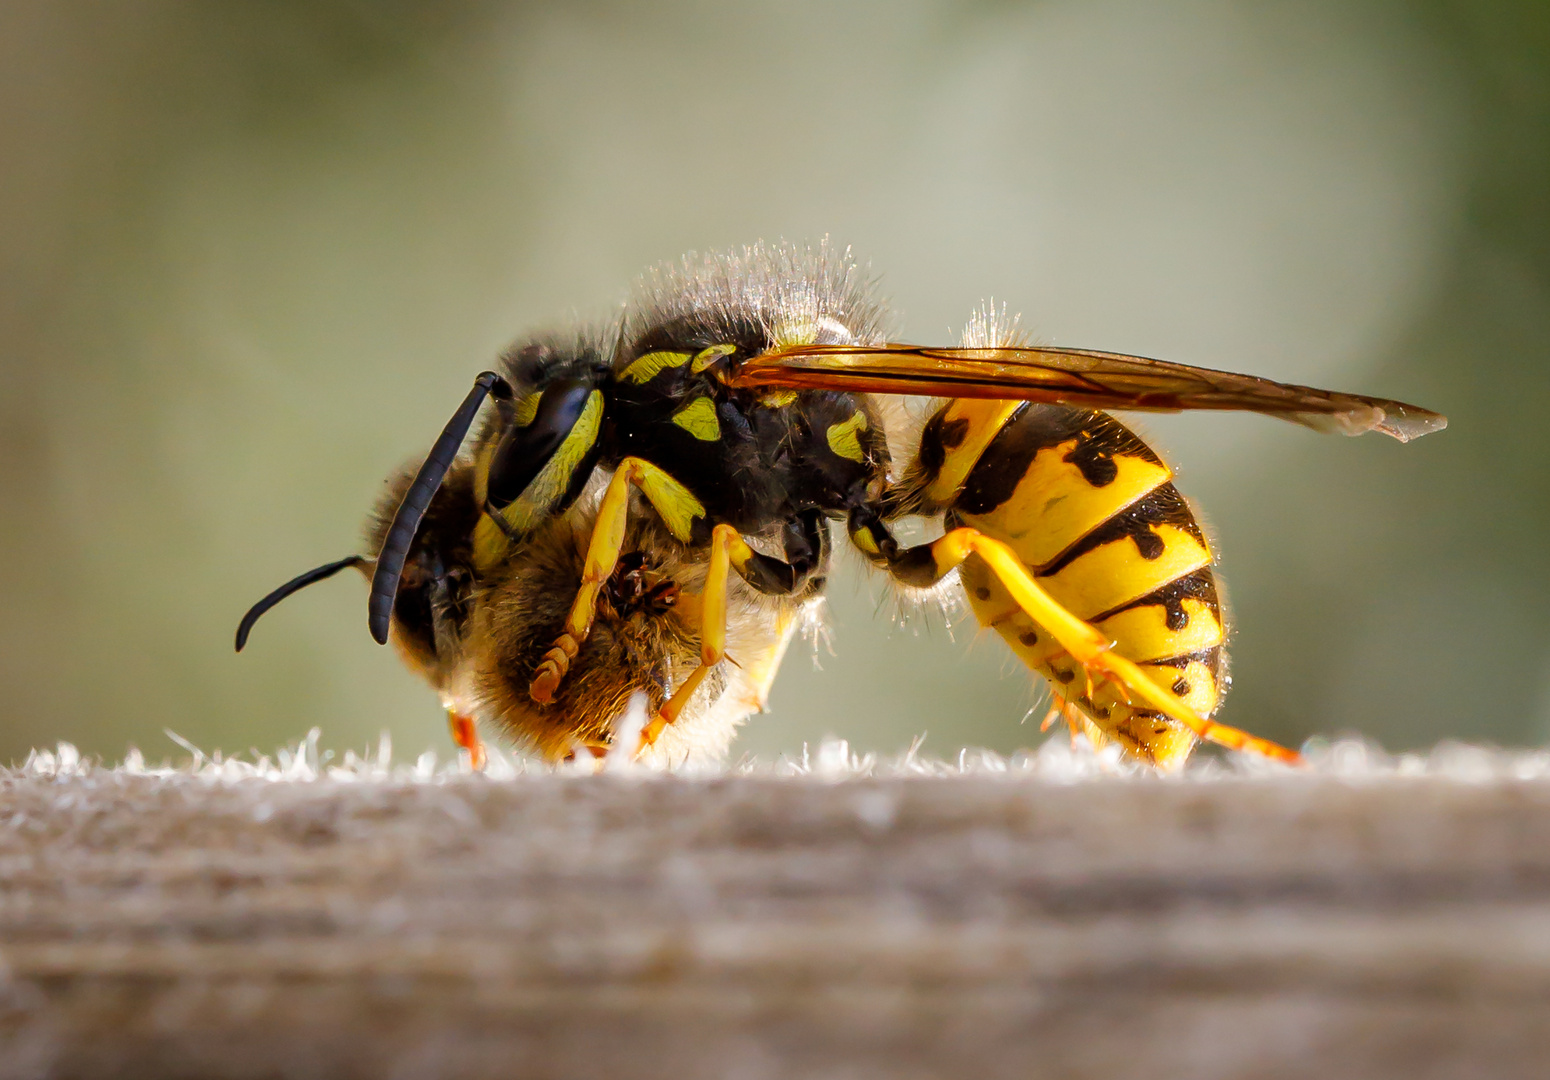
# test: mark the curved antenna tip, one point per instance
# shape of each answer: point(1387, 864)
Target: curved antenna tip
point(301, 581)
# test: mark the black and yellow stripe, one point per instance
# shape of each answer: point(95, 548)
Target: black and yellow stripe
point(1092, 511)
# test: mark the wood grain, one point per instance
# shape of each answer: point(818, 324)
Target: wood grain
point(758, 926)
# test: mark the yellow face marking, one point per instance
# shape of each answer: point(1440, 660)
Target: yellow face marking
point(1115, 573)
point(530, 508)
point(706, 357)
point(698, 418)
point(526, 409)
point(675, 503)
point(844, 439)
point(1053, 505)
point(983, 419)
point(1142, 633)
point(646, 367)
point(489, 543)
point(778, 399)
point(482, 471)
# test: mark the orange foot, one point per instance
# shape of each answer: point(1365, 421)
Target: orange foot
point(466, 735)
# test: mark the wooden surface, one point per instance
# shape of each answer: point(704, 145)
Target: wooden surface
point(994, 924)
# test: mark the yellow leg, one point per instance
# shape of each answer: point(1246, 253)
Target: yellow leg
point(1085, 643)
point(677, 508)
point(728, 550)
point(466, 735)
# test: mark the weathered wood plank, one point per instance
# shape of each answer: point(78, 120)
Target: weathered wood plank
point(759, 926)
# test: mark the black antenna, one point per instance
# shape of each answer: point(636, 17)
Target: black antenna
point(406, 522)
point(245, 627)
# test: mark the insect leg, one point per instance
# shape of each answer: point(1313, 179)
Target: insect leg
point(806, 538)
point(466, 736)
point(806, 546)
point(677, 508)
point(538, 467)
point(727, 549)
point(1055, 713)
point(925, 565)
point(1083, 728)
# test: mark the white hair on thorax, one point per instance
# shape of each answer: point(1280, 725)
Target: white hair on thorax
point(793, 293)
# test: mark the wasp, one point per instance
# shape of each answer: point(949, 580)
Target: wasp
point(645, 508)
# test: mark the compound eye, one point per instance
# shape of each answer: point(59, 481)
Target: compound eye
point(563, 431)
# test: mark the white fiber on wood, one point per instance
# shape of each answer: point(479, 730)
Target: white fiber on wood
point(1367, 918)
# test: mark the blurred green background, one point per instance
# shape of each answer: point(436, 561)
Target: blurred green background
point(251, 255)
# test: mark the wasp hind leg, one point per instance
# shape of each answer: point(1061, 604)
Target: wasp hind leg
point(1078, 725)
point(927, 564)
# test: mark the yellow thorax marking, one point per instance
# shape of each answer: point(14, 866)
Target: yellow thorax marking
point(843, 437)
point(529, 509)
point(778, 399)
point(526, 409)
point(646, 367)
point(698, 418)
point(706, 357)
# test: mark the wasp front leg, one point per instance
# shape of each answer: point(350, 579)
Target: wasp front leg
point(673, 503)
point(806, 541)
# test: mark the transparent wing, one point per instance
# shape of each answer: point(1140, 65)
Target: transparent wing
point(1081, 377)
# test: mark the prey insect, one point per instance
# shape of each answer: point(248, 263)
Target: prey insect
point(644, 507)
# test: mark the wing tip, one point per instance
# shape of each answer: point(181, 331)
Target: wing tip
point(1406, 422)
point(1394, 419)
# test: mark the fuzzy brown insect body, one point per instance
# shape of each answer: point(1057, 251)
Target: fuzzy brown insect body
point(644, 511)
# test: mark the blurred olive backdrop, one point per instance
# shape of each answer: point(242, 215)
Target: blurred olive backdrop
point(251, 255)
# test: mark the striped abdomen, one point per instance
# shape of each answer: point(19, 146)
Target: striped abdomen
point(1091, 510)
